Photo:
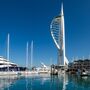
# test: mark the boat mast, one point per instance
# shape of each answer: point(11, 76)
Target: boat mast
point(31, 54)
point(27, 55)
point(8, 40)
point(8, 49)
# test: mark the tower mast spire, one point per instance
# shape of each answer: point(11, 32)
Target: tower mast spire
point(61, 9)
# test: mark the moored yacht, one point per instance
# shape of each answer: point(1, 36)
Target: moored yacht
point(43, 69)
point(9, 68)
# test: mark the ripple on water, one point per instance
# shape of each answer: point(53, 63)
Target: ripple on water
point(45, 82)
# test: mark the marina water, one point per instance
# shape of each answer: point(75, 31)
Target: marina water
point(44, 82)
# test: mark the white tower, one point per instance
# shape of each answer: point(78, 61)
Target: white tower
point(58, 34)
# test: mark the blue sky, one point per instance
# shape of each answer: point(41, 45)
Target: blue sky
point(28, 20)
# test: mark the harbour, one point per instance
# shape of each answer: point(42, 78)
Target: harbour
point(37, 45)
point(37, 82)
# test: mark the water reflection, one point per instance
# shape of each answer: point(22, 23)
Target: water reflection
point(26, 83)
point(29, 81)
point(45, 82)
point(59, 82)
point(65, 81)
point(79, 82)
point(44, 78)
point(7, 81)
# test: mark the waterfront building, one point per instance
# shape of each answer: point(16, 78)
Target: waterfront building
point(80, 65)
point(58, 34)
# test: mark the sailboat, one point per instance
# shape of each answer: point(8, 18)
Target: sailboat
point(7, 67)
point(29, 72)
point(44, 69)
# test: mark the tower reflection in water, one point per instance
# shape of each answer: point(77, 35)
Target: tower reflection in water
point(45, 82)
point(59, 82)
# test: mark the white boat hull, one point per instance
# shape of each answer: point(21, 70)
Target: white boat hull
point(8, 73)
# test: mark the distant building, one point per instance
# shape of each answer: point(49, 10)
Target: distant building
point(80, 64)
